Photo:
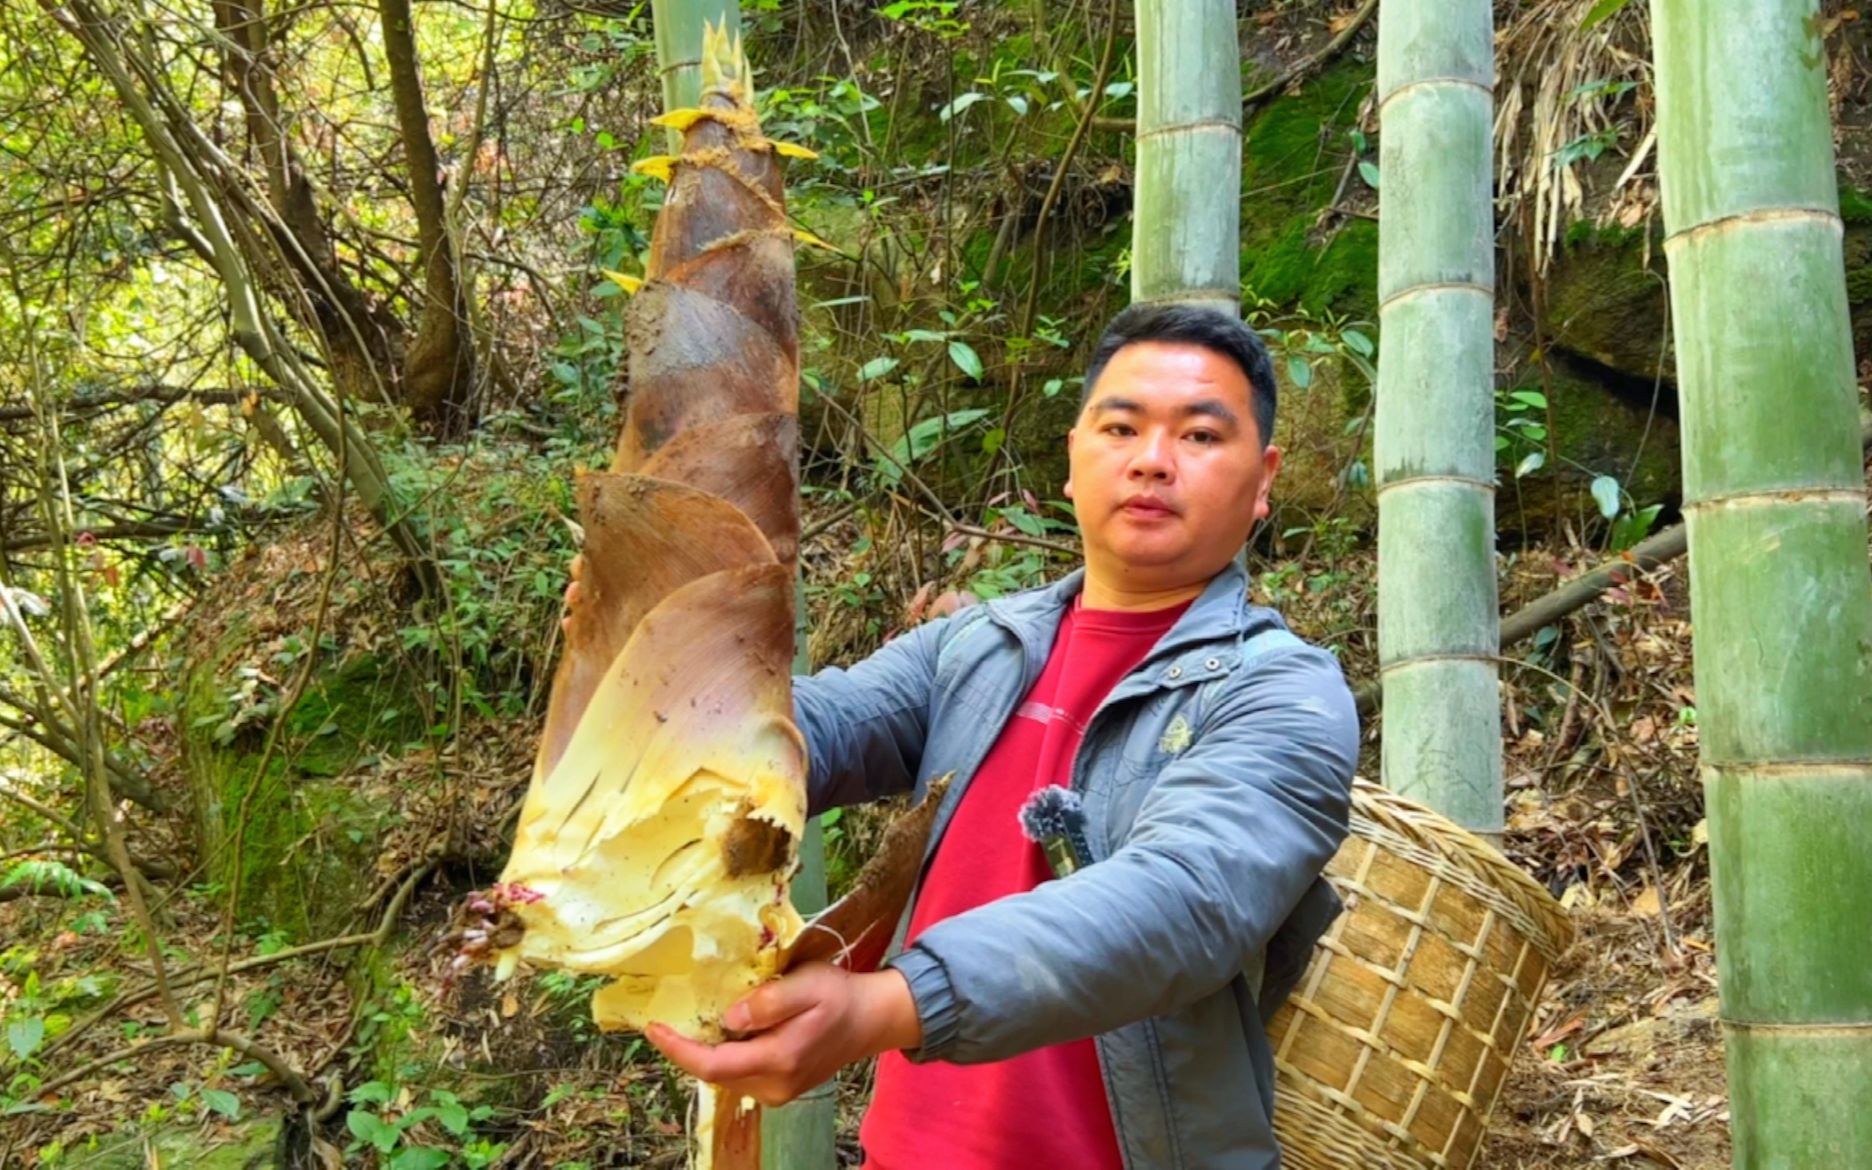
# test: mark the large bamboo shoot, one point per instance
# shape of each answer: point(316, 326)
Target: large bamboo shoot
point(668, 796)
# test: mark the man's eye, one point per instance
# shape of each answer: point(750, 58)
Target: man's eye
point(1205, 436)
point(1120, 429)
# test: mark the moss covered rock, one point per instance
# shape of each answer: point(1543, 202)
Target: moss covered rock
point(1292, 161)
point(1593, 433)
point(1856, 209)
point(1606, 301)
point(308, 838)
point(1319, 445)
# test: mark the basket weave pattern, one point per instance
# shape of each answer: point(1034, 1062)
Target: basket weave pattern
point(1392, 1050)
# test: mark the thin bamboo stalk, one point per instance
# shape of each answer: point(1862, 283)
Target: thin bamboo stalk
point(1775, 511)
point(1186, 233)
point(678, 25)
point(1434, 430)
point(803, 1134)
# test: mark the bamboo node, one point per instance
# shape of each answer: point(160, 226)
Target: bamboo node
point(1724, 224)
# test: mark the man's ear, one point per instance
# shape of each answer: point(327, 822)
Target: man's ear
point(1270, 467)
point(1070, 436)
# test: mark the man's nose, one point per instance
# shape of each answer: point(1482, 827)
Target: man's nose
point(1154, 458)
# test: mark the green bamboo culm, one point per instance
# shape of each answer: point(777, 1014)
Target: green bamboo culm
point(1438, 623)
point(1774, 500)
point(677, 25)
point(1186, 226)
point(801, 1135)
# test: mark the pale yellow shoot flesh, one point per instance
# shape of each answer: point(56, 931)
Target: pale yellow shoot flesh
point(685, 746)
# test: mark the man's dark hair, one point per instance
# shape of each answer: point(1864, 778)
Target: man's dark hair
point(1193, 325)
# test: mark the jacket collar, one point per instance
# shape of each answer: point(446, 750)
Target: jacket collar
point(1220, 611)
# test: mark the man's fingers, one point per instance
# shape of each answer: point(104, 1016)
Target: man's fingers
point(772, 1004)
point(692, 1057)
point(572, 590)
point(719, 1064)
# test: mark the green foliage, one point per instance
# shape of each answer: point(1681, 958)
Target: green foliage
point(45, 874)
point(1521, 429)
point(921, 440)
point(439, 1133)
point(1600, 12)
point(1585, 148)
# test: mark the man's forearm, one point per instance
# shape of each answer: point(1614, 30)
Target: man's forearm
point(891, 1012)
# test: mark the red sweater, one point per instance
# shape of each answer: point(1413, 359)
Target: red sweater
point(1044, 1108)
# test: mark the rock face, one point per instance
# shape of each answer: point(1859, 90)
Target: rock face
point(1592, 339)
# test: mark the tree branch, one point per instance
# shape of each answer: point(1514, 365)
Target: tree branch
point(438, 374)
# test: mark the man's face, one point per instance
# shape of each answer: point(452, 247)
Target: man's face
point(1168, 472)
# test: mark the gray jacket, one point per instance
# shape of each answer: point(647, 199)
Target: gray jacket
point(1216, 777)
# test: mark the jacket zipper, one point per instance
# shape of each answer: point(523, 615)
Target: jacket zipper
point(1160, 1075)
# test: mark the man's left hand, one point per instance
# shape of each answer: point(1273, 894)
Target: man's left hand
point(798, 1031)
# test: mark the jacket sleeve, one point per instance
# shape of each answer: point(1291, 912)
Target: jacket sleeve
point(865, 725)
point(1230, 836)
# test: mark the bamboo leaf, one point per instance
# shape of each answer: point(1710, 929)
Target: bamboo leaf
point(1299, 372)
point(966, 359)
point(1534, 461)
point(1369, 172)
point(1605, 490)
point(877, 367)
point(1601, 12)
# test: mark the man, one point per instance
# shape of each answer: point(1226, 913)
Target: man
point(1111, 1017)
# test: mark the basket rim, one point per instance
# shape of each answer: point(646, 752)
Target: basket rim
point(1424, 826)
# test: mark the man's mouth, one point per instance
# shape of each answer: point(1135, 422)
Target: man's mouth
point(1147, 506)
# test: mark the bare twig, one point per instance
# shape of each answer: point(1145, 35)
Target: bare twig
point(936, 507)
point(1065, 164)
point(289, 1076)
point(84, 719)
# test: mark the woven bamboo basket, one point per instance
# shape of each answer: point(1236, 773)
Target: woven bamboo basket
point(1396, 1041)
